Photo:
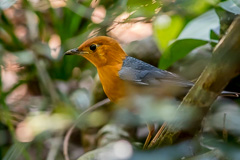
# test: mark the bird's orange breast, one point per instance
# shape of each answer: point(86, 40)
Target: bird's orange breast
point(113, 86)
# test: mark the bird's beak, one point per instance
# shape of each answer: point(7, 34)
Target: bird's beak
point(72, 52)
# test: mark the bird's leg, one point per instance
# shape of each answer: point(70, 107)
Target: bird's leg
point(151, 130)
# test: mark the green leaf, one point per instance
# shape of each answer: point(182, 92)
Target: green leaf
point(42, 49)
point(214, 35)
point(166, 29)
point(81, 98)
point(178, 50)
point(195, 6)
point(214, 38)
point(200, 27)
point(237, 2)
point(25, 57)
point(5, 4)
point(15, 151)
point(231, 6)
point(143, 8)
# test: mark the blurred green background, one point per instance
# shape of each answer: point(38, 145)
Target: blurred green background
point(42, 92)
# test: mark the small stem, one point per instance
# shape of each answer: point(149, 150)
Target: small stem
point(225, 133)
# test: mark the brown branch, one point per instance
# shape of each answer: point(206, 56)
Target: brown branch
point(224, 66)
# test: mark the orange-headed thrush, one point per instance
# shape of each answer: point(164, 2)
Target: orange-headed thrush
point(115, 68)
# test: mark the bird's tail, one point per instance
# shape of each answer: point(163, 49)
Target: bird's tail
point(230, 94)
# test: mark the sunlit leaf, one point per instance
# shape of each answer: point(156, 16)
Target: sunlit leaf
point(167, 28)
point(178, 50)
point(231, 6)
point(4, 4)
point(200, 27)
point(237, 2)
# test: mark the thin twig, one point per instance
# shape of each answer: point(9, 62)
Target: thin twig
point(69, 132)
point(225, 133)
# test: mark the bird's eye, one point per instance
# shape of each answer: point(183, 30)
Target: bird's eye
point(93, 47)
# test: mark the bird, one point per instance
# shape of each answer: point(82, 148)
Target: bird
point(116, 69)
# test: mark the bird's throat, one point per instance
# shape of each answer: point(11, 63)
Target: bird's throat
point(113, 86)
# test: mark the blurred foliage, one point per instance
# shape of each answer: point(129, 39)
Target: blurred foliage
point(42, 92)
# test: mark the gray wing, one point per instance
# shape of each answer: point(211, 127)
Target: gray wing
point(139, 72)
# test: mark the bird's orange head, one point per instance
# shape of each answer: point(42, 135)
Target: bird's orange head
point(100, 51)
